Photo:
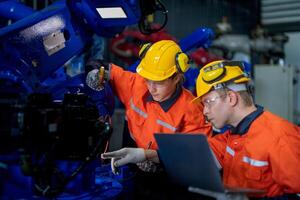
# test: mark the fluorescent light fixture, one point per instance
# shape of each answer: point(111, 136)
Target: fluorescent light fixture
point(111, 12)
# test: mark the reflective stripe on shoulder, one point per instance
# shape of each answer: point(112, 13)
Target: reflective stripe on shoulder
point(165, 124)
point(136, 109)
point(256, 163)
point(230, 150)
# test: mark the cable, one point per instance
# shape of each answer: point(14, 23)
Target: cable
point(51, 191)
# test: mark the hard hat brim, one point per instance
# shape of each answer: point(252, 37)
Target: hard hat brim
point(196, 100)
point(150, 76)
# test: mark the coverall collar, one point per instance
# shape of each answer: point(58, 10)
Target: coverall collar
point(166, 105)
point(244, 125)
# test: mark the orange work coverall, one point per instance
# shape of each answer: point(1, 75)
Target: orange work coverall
point(266, 157)
point(148, 117)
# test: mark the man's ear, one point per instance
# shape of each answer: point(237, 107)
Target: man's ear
point(233, 97)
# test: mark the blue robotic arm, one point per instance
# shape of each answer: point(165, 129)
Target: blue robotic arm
point(37, 45)
point(14, 10)
point(202, 37)
point(33, 51)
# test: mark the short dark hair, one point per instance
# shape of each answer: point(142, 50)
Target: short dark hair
point(181, 76)
point(247, 98)
point(245, 95)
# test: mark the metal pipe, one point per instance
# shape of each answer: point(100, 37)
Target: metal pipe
point(13, 10)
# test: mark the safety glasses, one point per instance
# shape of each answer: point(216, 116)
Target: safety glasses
point(216, 72)
point(208, 103)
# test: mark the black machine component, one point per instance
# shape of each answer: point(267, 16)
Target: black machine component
point(149, 7)
point(68, 130)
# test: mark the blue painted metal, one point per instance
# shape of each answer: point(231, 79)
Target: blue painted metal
point(13, 10)
point(202, 37)
point(94, 182)
point(24, 48)
point(108, 27)
point(190, 79)
point(26, 56)
point(24, 42)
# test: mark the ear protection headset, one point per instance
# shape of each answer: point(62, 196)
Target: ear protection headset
point(181, 59)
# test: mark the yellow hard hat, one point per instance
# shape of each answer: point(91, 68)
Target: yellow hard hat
point(220, 72)
point(161, 60)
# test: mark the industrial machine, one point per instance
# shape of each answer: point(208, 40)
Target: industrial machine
point(52, 126)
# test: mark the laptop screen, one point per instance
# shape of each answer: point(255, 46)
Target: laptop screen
point(188, 160)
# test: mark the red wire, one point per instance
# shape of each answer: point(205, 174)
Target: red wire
point(106, 146)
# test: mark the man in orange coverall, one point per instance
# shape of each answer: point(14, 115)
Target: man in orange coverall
point(155, 102)
point(261, 150)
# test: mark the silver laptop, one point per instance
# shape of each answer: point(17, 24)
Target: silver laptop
point(189, 161)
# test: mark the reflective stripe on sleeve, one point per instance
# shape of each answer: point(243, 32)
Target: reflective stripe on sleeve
point(230, 151)
point(136, 109)
point(256, 163)
point(145, 115)
point(165, 124)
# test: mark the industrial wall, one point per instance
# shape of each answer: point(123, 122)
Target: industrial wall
point(187, 15)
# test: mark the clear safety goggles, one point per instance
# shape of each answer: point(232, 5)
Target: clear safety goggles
point(208, 103)
point(216, 72)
